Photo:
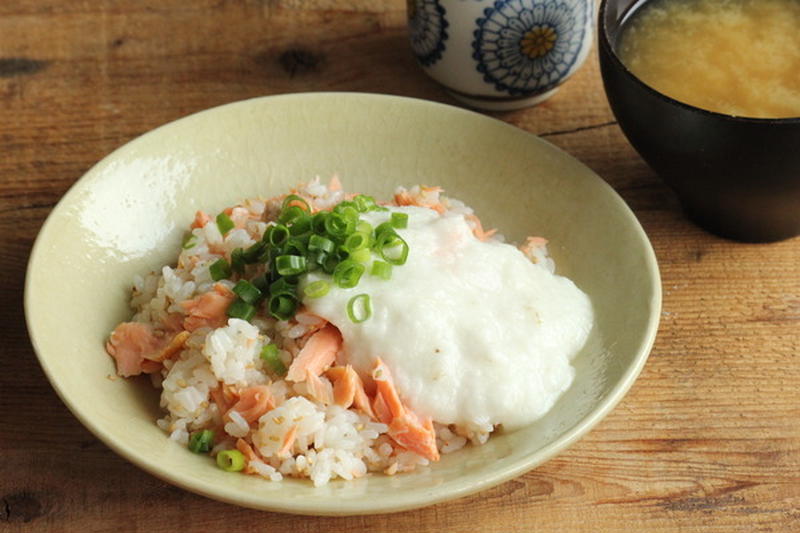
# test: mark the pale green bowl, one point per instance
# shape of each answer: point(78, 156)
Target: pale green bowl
point(127, 216)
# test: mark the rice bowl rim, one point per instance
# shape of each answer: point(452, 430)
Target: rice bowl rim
point(402, 500)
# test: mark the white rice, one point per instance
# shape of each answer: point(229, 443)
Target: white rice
point(233, 352)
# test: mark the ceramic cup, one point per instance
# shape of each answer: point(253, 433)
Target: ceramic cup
point(500, 54)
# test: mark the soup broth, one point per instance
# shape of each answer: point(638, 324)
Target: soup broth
point(738, 57)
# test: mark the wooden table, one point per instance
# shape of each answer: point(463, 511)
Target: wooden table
point(708, 439)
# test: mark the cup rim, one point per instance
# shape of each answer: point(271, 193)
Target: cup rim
point(605, 43)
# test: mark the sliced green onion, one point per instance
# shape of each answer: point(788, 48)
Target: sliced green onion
point(253, 252)
point(362, 256)
point(364, 203)
point(220, 269)
point(339, 226)
point(301, 225)
point(330, 263)
point(282, 306)
point(230, 460)
point(247, 291)
point(364, 227)
point(224, 223)
point(347, 273)
point(190, 241)
point(317, 289)
point(336, 241)
point(399, 220)
point(341, 253)
point(317, 257)
point(341, 206)
point(294, 246)
point(293, 200)
point(282, 286)
point(201, 441)
point(271, 356)
point(381, 269)
point(277, 235)
point(359, 308)
point(384, 230)
point(355, 241)
point(237, 260)
point(392, 248)
point(260, 282)
point(290, 265)
point(241, 309)
point(396, 255)
point(318, 222)
point(290, 214)
point(318, 242)
point(267, 255)
point(350, 213)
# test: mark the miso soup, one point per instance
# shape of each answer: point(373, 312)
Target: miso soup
point(738, 57)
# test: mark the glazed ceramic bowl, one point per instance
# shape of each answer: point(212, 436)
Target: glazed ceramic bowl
point(127, 215)
point(500, 54)
point(737, 177)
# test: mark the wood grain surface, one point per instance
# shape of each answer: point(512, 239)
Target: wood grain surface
point(707, 440)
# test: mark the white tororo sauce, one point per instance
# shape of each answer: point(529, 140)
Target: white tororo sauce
point(473, 332)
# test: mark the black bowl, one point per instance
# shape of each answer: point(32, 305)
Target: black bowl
point(736, 177)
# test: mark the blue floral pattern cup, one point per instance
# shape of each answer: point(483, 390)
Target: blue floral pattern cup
point(500, 54)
